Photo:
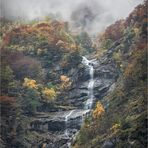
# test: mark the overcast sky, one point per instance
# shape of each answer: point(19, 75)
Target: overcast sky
point(93, 14)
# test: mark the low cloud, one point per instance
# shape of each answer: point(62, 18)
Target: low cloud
point(92, 15)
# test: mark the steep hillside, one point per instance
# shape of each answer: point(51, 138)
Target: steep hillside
point(45, 86)
point(40, 61)
point(123, 121)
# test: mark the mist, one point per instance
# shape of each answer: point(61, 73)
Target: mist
point(88, 15)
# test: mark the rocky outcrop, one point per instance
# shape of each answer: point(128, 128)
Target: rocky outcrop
point(105, 75)
point(53, 122)
point(56, 121)
point(53, 130)
point(108, 144)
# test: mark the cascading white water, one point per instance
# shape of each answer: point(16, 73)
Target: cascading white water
point(66, 120)
point(89, 64)
point(89, 102)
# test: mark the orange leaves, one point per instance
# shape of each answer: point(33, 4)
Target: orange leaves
point(42, 25)
point(29, 83)
point(53, 34)
point(66, 83)
point(64, 78)
point(99, 110)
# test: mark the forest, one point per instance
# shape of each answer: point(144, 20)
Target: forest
point(62, 88)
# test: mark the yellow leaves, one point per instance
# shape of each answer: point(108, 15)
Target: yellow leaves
point(49, 94)
point(64, 78)
point(30, 83)
point(99, 110)
point(66, 83)
point(115, 127)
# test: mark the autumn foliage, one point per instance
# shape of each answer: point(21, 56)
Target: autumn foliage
point(54, 33)
point(7, 104)
point(65, 82)
point(7, 99)
point(115, 127)
point(22, 65)
point(64, 78)
point(114, 32)
point(49, 94)
point(29, 83)
point(99, 110)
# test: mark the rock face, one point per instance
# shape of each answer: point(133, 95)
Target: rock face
point(63, 125)
point(105, 75)
point(56, 121)
point(58, 127)
point(108, 144)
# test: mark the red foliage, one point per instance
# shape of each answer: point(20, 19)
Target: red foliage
point(44, 29)
point(21, 65)
point(7, 100)
point(115, 31)
point(40, 25)
point(26, 66)
point(138, 15)
point(10, 56)
point(8, 105)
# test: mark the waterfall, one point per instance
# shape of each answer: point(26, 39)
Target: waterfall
point(66, 121)
point(88, 105)
point(89, 64)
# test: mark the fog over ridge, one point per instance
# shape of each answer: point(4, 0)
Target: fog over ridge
point(92, 15)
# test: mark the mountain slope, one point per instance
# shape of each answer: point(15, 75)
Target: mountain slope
point(124, 122)
point(43, 82)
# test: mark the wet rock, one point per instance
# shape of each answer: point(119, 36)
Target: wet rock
point(105, 75)
point(108, 144)
point(56, 121)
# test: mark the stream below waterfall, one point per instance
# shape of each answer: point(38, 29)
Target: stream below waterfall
point(66, 120)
